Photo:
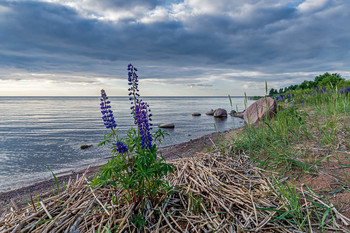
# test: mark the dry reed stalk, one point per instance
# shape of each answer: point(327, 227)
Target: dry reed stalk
point(213, 193)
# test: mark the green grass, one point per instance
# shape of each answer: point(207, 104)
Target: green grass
point(282, 147)
point(301, 208)
point(267, 143)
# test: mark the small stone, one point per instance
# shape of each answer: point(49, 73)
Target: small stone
point(167, 125)
point(85, 146)
point(232, 113)
point(210, 113)
point(196, 114)
point(239, 114)
point(220, 112)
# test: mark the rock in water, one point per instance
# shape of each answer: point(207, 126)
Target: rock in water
point(239, 114)
point(196, 114)
point(220, 112)
point(210, 113)
point(85, 146)
point(167, 125)
point(232, 113)
point(259, 110)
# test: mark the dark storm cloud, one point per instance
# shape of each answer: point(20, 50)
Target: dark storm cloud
point(276, 41)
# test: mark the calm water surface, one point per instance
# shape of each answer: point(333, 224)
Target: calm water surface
point(40, 131)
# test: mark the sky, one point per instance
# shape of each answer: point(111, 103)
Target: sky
point(180, 48)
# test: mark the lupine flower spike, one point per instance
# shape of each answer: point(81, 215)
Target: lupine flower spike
point(140, 110)
point(121, 147)
point(143, 124)
point(107, 113)
point(344, 90)
point(133, 90)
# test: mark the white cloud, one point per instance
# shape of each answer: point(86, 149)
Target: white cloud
point(4, 10)
point(311, 5)
point(159, 14)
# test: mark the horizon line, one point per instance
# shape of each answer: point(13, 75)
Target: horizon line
point(152, 96)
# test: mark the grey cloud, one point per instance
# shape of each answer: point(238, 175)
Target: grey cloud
point(117, 4)
point(272, 40)
point(199, 85)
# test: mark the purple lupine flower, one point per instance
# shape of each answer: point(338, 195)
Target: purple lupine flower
point(143, 119)
point(133, 90)
point(279, 98)
point(133, 82)
point(317, 89)
point(347, 90)
point(302, 102)
point(344, 90)
point(107, 113)
point(121, 147)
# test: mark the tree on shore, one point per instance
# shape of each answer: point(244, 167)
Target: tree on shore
point(324, 80)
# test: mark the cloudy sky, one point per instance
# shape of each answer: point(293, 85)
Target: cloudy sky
point(190, 47)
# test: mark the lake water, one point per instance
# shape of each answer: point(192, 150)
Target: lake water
point(40, 131)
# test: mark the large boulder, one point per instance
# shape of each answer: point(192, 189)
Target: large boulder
point(167, 125)
point(259, 110)
point(220, 112)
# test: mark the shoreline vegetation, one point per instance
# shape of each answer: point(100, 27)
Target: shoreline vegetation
point(288, 173)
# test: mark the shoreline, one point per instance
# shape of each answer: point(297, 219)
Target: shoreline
point(47, 187)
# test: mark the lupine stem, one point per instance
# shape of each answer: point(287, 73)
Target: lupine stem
point(105, 196)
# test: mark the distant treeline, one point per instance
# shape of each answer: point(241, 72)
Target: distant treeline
point(324, 80)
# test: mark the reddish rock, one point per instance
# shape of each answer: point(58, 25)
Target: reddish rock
point(220, 112)
point(259, 109)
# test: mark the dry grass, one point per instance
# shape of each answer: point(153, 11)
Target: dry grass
point(213, 193)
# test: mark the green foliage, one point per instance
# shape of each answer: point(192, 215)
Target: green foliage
point(320, 78)
point(324, 80)
point(267, 143)
point(343, 83)
point(57, 184)
point(307, 85)
point(330, 81)
point(135, 167)
point(137, 171)
point(138, 220)
point(271, 144)
point(299, 209)
point(195, 202)
point(273, 92)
